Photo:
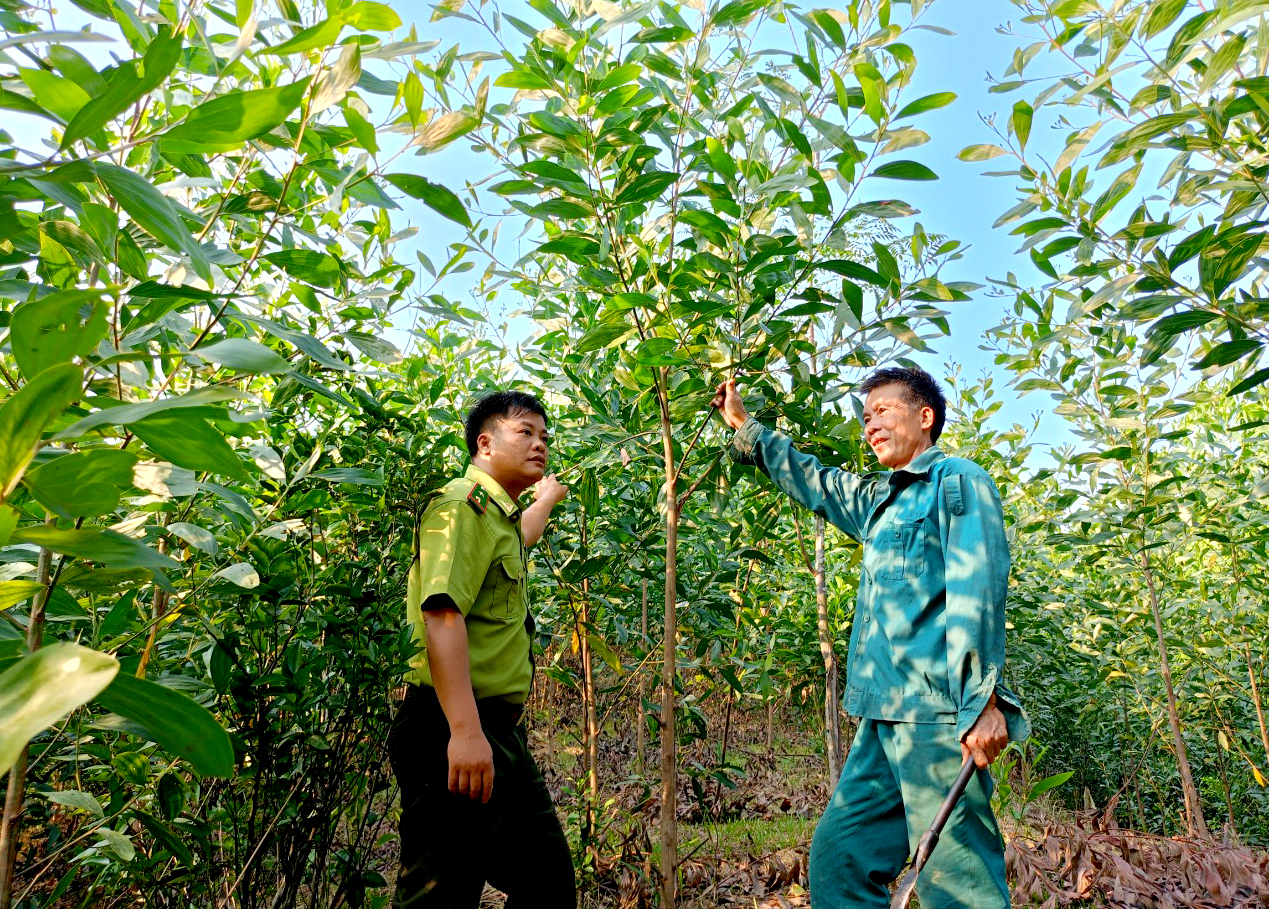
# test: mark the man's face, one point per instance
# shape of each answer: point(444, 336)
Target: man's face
point(896, 429)
point(514, 450)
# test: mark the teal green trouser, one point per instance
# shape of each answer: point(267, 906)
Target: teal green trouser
point(893, 783)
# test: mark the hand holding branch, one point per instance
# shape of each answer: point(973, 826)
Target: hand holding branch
point(730, 404)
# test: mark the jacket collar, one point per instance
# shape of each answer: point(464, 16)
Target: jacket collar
point(501, 498)
point(921, 466)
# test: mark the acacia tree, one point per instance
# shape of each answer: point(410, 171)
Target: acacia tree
point(196, 271)
point(1139, 284)
point(692, 171)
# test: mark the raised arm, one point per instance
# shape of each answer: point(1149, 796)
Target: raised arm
point(840, 496)
point(548, 494)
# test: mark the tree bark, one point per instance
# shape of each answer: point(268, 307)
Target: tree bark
point(640, 706)
point(1194, 820)
point(589, 831)
point(15, 795)
point(831, 699)
point(667, 716)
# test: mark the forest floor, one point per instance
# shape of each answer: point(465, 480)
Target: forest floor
point(744, 831)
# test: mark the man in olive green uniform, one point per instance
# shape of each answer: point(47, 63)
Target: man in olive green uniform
point(926, 654)
point(475, 808)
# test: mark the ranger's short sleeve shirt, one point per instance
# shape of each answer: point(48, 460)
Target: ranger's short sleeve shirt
point(928, 637)
point(469, 546)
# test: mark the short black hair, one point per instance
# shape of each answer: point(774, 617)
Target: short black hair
point(498, 404)
point(922, 390)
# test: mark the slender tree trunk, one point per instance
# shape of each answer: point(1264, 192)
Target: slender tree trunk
point(1259, 708)
point(589, 701)
point(640, 706)
point(1228, 790)
point(831, 699)
point(1194, 820)
point(15, 795)
point(589, 725)
point(667, 717)
point(831, 696)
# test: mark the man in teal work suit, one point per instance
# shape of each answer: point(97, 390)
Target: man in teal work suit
point(474, 805)
point(926, 654)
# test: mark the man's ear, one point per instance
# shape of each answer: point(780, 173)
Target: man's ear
point(483, 442)
point(927, 416)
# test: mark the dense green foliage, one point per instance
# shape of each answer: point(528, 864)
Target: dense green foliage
point(212, 447)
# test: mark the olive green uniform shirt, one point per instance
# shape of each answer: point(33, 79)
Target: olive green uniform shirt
point(470, 547)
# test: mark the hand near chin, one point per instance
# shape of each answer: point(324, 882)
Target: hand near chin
point(548, 489)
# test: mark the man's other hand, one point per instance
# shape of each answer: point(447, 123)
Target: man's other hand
point(550, 491)
point(987, 737)
point(730, 404)
point(471, 770)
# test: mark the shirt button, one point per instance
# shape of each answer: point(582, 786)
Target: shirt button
point(867, 617)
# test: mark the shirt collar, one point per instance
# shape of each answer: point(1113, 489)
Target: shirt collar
point(497, 493)
point(922, 464)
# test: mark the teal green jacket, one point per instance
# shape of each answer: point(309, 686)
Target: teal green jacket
point(927, 644)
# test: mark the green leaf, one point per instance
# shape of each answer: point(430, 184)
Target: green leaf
point(981, 153)
point(1022, 119)
point(850, 269)
point(18, 591)
point(434, 195)
point(84, 483)
point(646, 187)
point(244, 356)
point(198, 537)
point(225, 123)
point(337, 82)
point(52, 92)
point(371, 17)
point(904, 170)
point(352, 475)
point(602, 335)
point(324, 34)
point(555, 125)
point(128, 413)
point(189, 441)
point(166, 837)
point(128, 84)
point(884, 208)
point(658, 352)
point(737, 12)
point(1259, 377)
point(1226, 353)
point(73, 798)
point(872, 89)
point(1161, 15)
point(38, 690)
point(829, 24)
point(180, 726)
point(1179, 322)
point(104, 546)
point(26, 413)
point(308, 265)
point(1047, 784)
point(153, 212)
point(926, 103)
point(49, 331)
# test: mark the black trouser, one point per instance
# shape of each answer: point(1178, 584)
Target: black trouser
point(452, 844)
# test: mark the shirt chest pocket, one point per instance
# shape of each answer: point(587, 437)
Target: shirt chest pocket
point(902, 550)
point(508, 597)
